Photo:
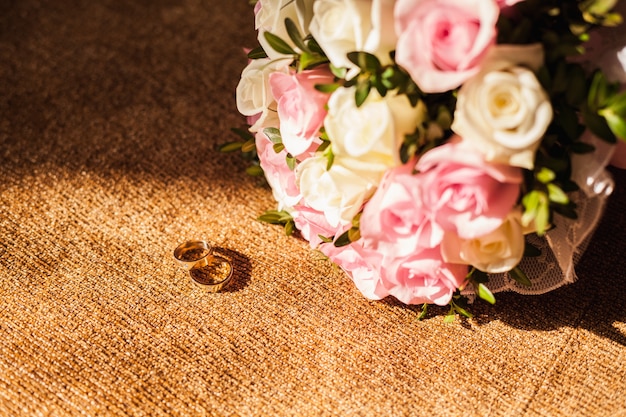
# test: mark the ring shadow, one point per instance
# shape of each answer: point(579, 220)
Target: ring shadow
point(242, 268)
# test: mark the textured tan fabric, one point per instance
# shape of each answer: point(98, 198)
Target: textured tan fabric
point(110, 114)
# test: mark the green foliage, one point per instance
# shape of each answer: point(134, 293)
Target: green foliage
point(478, 279)
point(537, 210)
point(279, 217)
point(424, 312)
point(246, 146)
point(307, 53)
point(351, 235)
point(279, 45)
point(458, 305)
point(520, 277)
point(257, 53)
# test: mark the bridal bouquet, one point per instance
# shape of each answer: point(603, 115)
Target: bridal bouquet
point(435, 150)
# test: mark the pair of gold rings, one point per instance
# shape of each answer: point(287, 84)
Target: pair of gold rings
point(208, 271)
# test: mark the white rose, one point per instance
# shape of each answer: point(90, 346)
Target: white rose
point(254, 95)
point(495, 252)
point(504, 111)
point(342, 26)
point(339, 192)
point(271, 15)
point(373, 132)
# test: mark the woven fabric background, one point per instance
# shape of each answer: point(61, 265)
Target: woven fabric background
point(110, 115)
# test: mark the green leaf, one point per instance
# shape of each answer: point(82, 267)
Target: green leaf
point(273, 134)
point(616, 121)
point(275, 217)
point(338, 72)
point(323, 146)
point(343, 239)
point(362, 91)
point(379, 86)
point(364, 60)
point(254, 171)
point(520, 277)
point(556, 195)
point(270, 217)
point(422, 314)
point(449, 318)
point(309, 60)
point(560, 81)
point(464, 312)
point(330, 156)
point(257, 53)
point(278, 44)
point(598, 126)
point(354, 234)
point(537, 209)
point(278, 147)
point(444, 117)
point(545, 175)
point(291, 162)
point(568, 119)
point(577, 89)
point(315, 47)
point(530, 202)
point(596, 90)
point(325, 239)
point(295, 36)
point(230, 147)
point(542, 220)
point(289, 227)
point(327, 88)
point(598, 7)
point(249, 146)
point(612, 20)
point(485, 293)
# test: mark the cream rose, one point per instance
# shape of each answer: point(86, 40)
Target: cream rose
point(338, 192)
point(495, 252)
point(254, 94)
point(270, 17)
point(503, 111)
point(342, 26)
point(373, 132)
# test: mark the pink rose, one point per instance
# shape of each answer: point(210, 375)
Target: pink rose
point(394, 220)
point(362, 265)
point(423, 277)
point(464, 193)
point(281, 179)
point(441, 43)
point(301, 108)
point(312, 223)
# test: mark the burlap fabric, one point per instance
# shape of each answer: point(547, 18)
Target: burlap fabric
point(110, 114)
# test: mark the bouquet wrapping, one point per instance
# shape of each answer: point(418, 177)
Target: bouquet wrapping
point(437, 150)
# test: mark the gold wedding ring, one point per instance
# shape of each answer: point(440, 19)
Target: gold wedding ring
point(214, 276)
point(193, 254)
point(207, 271)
